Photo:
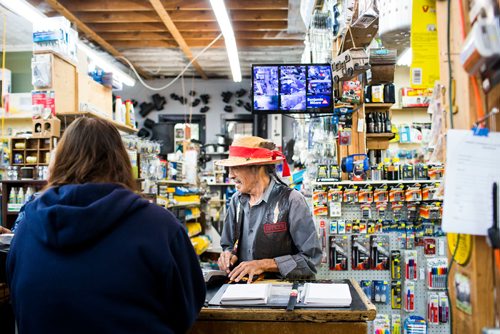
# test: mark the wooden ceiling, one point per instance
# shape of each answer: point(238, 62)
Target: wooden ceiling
point(161, 36)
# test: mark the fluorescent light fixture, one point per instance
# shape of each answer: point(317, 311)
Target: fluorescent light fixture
point(405, 58)
point(32, 14)
point(23, 9)
point(106, 65)
point(220, 12)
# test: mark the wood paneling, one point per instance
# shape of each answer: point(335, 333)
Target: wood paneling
point(139, 5)
point(138, 25)
point(189, 26)
point(254, 327)
point(181, 16)
point(246, 43)
point(480, 268)
point(191, 35)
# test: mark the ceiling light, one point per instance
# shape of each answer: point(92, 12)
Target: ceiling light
point(405, 58)
point(23, 9)
point(32, 14)
point(227, 31)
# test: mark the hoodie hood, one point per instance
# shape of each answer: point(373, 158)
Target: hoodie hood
point(72, 215)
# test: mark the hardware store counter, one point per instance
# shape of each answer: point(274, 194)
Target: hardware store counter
point(248, 320)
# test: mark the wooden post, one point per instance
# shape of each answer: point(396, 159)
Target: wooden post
point(480, 268)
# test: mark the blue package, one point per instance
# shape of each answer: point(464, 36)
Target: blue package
point(366, 286)
point(381, 292)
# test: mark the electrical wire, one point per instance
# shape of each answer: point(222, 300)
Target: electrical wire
point(4, 51)
point(157, 89)
point(450, 75)
point(450, 308)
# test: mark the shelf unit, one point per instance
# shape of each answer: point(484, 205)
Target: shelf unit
point(221, 184)
point(218, 153)
point(8, 218)
point(385, 135)
point(182, 205)
point(422, 109)
point(378, 105)
point(173, 182)
point(72, 115)
point(39, 148)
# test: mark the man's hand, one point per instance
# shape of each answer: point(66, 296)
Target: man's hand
point(252, 268)
point(226, 260)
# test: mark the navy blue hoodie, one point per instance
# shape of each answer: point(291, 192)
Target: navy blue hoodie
point(97, 258)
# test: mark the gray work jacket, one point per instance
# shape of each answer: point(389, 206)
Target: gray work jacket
point(300, 224)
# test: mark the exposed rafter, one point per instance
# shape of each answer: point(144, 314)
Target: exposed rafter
point(245, 43)
point(177, 16)
point(90, 33)
point(190, 26)
point(170, 5)
point(158, 6)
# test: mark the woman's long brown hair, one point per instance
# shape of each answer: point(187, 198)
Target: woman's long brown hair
point(91, 150)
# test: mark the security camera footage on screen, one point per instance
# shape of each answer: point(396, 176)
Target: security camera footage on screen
point(319, 86)
point(265, 88)
point(292, 88)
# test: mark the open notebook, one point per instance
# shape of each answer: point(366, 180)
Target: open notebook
point(327, 295)
point(246, 294)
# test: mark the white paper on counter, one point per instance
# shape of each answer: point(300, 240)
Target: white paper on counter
point(472, 165)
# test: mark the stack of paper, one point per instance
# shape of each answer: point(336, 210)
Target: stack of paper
point(246, 294)
point(327, 294)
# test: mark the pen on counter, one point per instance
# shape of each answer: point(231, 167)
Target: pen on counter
point(293, 297)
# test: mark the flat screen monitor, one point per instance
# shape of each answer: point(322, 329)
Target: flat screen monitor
point(319, 86)
point(292, 88)
point(265, 88)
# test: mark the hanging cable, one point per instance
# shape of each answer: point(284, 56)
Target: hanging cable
point(450, 76)
point(4, 42)
point(178, 76)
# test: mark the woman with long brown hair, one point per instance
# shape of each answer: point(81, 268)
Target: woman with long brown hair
point(91, 256)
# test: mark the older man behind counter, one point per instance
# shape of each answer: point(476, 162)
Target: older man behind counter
point(268, 226)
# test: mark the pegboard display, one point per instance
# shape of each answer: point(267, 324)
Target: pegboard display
point(395, 228)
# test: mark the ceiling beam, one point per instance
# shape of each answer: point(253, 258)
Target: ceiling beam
point(202, 35)
point(201, 43)
point(181, 16)
point(169, 5)
point(131, 27)
point(165, 18)
point(91, 34)
point(189, 26)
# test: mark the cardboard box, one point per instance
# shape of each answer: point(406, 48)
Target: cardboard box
point(94, 97)
point(62, 86)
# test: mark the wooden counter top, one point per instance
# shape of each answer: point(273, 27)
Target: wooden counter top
point(253, 320)
point(361, 310)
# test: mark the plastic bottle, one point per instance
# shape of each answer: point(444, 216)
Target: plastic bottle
point(20, 196)
point(117, 111)
point(388, 124)
point(12, 196)
point(132, 115)
point(29, 194)
point(123, 114)
point(128, 112)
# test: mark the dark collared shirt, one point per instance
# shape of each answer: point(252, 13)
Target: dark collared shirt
point(302, 230)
